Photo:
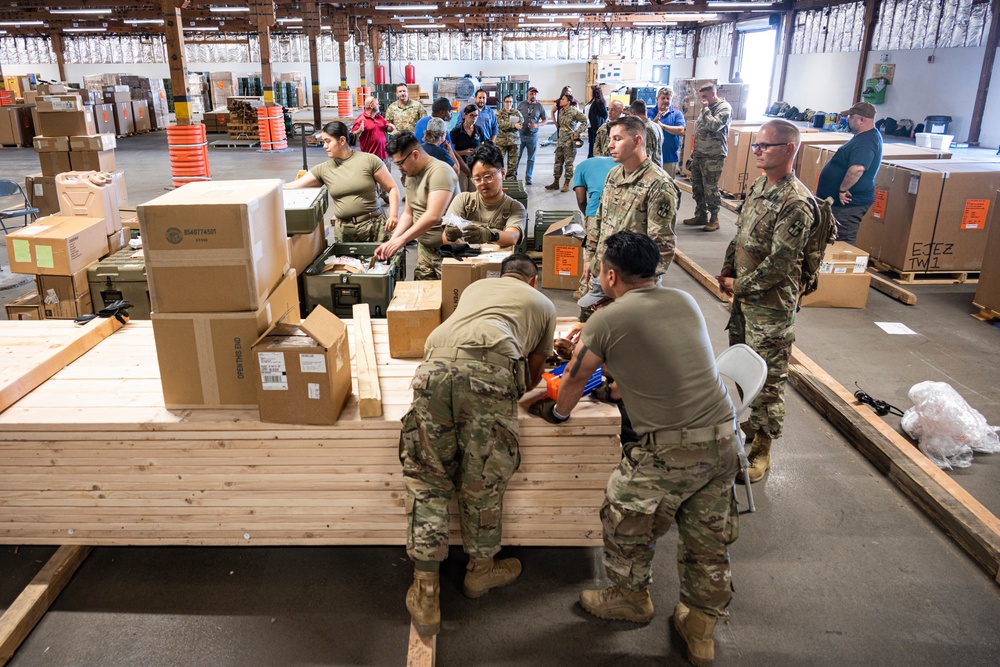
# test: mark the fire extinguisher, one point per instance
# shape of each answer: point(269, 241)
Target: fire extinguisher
point(411, 74)
point(380, 75)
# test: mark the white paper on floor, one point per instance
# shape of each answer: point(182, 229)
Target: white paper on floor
point(895, 328)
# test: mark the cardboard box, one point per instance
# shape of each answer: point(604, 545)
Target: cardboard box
point(843, 279)
point(562, 255)
point(67, 310)
point(737, 95)
point(117, 96)
point(92, 160)
point(93, 142)
point(415, 311)
point(66, 123)
point(121, 188)
point(303, 249)
point(80, 195)
point(810, 138)
point(66, 288)
point(27, 307)
point(51, 144)
point(54, 163)
point(930, 215)
point(988, 289)
point(815, 156)
point(457, 275)
point(216, 246)
point(117, 241)
point(41, 191)
point(122, 112)
point(66, 102)
point(104, 116)
point(303, 373)
point(17, 126)
point(739, 171)
point(51, 88)
point(57, 245)
point(140, 115)
point(205, 358)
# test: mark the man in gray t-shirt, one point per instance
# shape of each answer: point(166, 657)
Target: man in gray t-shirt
point(683, 465)
point(534, 117)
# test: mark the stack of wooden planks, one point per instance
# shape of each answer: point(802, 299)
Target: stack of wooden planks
point(92, 457)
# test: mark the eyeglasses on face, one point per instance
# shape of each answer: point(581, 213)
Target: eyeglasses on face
point(400, 163)
point(763, 147)
point(487, 179)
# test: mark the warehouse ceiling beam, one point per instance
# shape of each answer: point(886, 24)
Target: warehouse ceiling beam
point(170, 11)
point(60, 50)
point(262, 12)
point(985, 75)
point(313, 25)
point(867, 34)
point(787, 28)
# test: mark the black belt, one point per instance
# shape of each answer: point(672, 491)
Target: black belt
point(470, 354)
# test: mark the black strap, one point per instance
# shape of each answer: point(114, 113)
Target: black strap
point(881, 408)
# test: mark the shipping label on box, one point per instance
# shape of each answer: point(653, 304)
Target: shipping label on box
point(41, 191)
point(70, 309)
point(562, 255)
point(57, 245)
point(303, 373)
point(214, 247)
point(415, 311)
point(205, 359)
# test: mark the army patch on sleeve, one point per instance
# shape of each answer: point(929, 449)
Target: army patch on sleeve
point(664, 209)
point(797, 227)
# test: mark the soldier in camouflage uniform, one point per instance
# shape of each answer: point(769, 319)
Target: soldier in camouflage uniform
point(404, 112)
point(570, 123)
point(461, 432)
point(711, 145)
point(601, 148)
point(762, 271)
point(681, 466)
point(510, 122)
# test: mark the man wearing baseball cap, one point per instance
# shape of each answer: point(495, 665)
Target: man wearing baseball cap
point(849, 177)
point(534, 117)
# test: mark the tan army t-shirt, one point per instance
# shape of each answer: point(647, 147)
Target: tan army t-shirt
point(435, 176)
point(654, 342)
point(351, 183)
point(504, 315)
point(508, 213)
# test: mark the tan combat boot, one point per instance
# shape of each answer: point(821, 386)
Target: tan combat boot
point(713, 224)
point(697, 628)
point(760, 457)
point(423, 602)
point(698, 220)
point(617, 604)
point(565, 187)
point(484, 574)
point(554, 185)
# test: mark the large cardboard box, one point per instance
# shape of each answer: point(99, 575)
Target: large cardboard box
point(737, 95)
point(811, 138)
point(66, 123)
point(815, 156)
point(54, 163)
point(94, 142)
point(415, 311)
point(562, 255)
point(686, 95)
point(17, 125)
point(140, 115)
point(42, 194)
point(205, 358)
point(51, 144)
point(57, 245)
point(303, 249)
point(92, 160)
point(27, 307)
point(53, 309)
point(68, 102)
point(739, 171)
point(930, 215)
point(303, 373)
point(988, 289)
point(122, 112)
point(104, 116)
point(117, 96)
point(843, 279)
point(456, 275)
point(214, 247)
point(51, 89)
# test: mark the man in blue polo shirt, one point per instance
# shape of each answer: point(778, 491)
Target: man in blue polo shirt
point(487, 117)
point(671, 121)
point(588, 184)
point(849, 177)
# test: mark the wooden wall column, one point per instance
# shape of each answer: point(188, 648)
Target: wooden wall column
point(313, 27)
point(177, 58)
point(263, 15)
point(697, 44)
point(871, 18)
point(976, 126)
point(58, 47)
point(341, 34)
point(787, 30)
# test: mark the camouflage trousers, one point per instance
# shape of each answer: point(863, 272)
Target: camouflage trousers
point(565, 157)
point(511, 153)
point(589, 247)
point(705, 173)
point(771, 334)
point(656, 484)
point(460, 434)
point(428, 263)
point(371, 230)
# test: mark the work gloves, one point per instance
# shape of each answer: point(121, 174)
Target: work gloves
point(479, 234)
point(544, 409)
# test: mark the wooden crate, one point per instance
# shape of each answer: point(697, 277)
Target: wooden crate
point(92, 457)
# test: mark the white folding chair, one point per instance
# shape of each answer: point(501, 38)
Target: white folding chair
point(748, 370)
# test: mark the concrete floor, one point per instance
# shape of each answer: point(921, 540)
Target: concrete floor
point(837, 567)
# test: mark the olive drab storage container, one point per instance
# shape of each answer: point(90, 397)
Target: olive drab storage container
point(304, 209)
point(120, 276)
point(338, 291)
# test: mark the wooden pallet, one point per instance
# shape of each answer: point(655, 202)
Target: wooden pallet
point(985, 314)
point(928, 277)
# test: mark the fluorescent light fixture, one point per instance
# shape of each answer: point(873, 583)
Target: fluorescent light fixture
point(693, 16)
point(289, 20)
point(574, 5)
point(3, 32)
point(416, 18)
point(232, 10)
point(16, 23)
point(540, 25)
point(422, 26)
point(406, 8)
point(80, 11)
point(325, 27)
point(145, 21)
point(737, 5)
point(85, 29)
point(655, 24)
point(204, 29)
point(559, 17)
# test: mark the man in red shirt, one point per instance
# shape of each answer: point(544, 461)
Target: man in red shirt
point(371, 127)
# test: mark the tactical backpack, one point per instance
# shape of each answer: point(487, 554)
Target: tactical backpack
point(822, 233)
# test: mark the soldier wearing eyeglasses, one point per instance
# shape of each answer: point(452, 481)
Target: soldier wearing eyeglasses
point(495, 216)
point(762, 272)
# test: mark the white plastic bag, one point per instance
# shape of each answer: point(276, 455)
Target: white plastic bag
point(949, 429)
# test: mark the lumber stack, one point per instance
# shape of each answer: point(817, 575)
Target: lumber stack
point(92, 457)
